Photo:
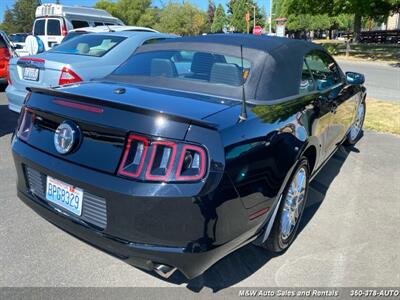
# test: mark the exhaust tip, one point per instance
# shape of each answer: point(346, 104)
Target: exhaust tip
point(164, 270)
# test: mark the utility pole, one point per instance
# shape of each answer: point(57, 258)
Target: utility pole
point(254, 16)
point(270, 16)
point(248, 22)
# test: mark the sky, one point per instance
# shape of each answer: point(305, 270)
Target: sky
point(200, 3)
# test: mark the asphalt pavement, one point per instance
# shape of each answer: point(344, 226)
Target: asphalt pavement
point(381, 79)
point(348, 237)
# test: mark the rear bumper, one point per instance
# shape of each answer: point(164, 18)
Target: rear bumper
point(143, 256)
point(15, 98)
point(174, 231)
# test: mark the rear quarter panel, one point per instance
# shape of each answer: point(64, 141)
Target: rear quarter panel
point(261, 152)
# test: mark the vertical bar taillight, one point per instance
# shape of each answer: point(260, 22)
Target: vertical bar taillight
point(167, 161)
point(161, 161)
point(134, 156)
point(192, 163)
point(26, 124)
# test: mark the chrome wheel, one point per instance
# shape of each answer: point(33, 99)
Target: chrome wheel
point(293, 203)
point(357, 125)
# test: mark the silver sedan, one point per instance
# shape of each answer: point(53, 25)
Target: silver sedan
point(82, 58)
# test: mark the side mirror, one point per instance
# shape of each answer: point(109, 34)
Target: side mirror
point(354, 78)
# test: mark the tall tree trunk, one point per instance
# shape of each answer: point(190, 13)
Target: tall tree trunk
point(357, 27)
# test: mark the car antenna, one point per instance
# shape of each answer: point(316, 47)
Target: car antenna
point(243, 111)
point(109, 29)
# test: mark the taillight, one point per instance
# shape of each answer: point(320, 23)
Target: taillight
point(64, 30)
point(161, 161)
point(133, 157)
point(5, 54)
point(189, 161)
point(26, 124)
point(192, 163)
point(68, 76)
point(8, 75)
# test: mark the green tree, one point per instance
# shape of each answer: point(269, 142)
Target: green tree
point(219, 22)
point(8, 24)
point(107, 5)
point(182, 19)
point(20, 17)
point(210, 13)
point(129, 11)
point(237, 10)
point(150, 18)
point(307, 22)
point(358, 8)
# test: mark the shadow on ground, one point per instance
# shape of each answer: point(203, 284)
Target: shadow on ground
point(242, 263)
point(8, 119)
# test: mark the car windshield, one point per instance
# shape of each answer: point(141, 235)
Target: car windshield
point(89, 45)
point(186, 66)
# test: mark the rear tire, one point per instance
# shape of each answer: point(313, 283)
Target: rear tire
point(291, 209)
point(356, 129)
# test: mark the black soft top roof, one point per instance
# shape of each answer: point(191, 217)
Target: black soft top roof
point(276, 62)
point(260, 42)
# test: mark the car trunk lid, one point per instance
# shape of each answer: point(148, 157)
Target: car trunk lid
point(106, 121)
point(49, 68)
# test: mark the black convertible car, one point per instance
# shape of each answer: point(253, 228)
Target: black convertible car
point(189, 150)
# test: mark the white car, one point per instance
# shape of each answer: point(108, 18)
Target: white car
point(82, 58)
point(111, 28)
point(115, 28)
point(54, 21)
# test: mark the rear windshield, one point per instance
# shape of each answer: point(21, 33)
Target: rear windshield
point(39, 27)
point(186, 66)
point(53, 27)
point(73, 34)
point(89, 45)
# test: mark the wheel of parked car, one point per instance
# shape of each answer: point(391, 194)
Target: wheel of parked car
point(356, 129)
point(291, 209)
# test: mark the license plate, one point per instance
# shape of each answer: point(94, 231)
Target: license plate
point(64, 195)
point(31, 74)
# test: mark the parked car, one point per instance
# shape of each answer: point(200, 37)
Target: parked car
point(53, 21)
point(5, 55)
point(18, 43)
point(83, 58)
point(98, 29)
point(190, 149)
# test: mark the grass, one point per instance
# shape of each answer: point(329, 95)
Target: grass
point(370, 52)
point(383, 116)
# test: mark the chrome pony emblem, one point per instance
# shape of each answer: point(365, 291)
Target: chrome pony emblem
point(66, 137)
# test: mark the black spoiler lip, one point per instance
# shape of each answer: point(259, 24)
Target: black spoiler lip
point(107, 103)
